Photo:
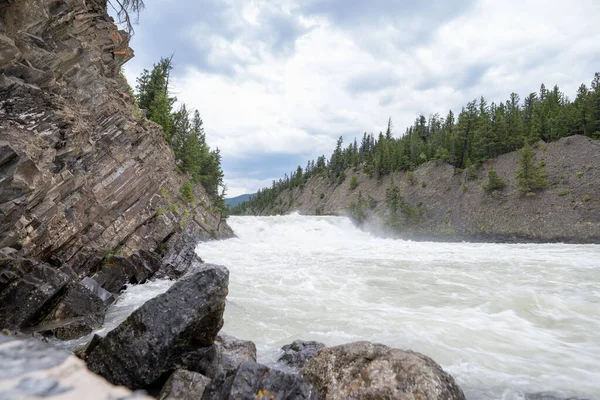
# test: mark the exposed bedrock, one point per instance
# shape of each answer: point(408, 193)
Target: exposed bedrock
point(83, 176)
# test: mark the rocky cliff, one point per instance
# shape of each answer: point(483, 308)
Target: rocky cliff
point(441, 202)
point(83, 176)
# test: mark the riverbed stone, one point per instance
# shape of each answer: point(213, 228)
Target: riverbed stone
point(152, 341)
point(364, 370)
point(299, 352)
point(256, 381)
point(184, 385)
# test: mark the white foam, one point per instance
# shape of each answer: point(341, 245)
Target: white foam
point(505, 319)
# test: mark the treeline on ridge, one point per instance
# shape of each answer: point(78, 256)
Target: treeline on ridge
point(481, 131)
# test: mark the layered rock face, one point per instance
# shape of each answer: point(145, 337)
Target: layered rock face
point(82, 175)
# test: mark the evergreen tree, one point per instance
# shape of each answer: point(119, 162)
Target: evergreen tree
point(530, 175)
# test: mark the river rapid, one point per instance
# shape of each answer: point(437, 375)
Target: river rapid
point(506, 320)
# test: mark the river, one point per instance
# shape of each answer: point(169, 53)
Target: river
point(506, 320)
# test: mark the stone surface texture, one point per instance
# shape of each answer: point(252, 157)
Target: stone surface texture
point(152, 341)
point(184, 385)
point(364, 370)
point(83, 176)
point(253, 381)
point(299, 352)
point(30, 369)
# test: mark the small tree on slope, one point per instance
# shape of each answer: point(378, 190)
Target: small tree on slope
point(530, 175)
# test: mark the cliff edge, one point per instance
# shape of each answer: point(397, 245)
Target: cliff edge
point(83, 176)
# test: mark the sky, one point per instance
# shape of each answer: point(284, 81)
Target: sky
point(277, 82)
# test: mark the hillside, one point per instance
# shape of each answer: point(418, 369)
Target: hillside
point(442, 202)
point(234, 201)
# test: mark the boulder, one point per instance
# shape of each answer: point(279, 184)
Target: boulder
point(364, 370)
point(224, 357)
point(233, 352)
point(298, 353)
point(119, 271)
point(184, 385)
point(252, 381)
point(31, 369)
point(25, 302)
point(152, 341)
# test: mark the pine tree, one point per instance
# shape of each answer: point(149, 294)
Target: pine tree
point(494, 182)
point(530, 175)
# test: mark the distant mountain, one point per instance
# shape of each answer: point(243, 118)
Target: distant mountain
point(234, 201)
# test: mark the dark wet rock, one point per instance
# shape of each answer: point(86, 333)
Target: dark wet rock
point(224, 357)
point(298, 353)
point(153, 339)
point(364, 370)
point(233, 352)
point(32, 369)
point(256, 381)
point(84, 351)
point(184, 385)
point(27, 300)
point(180, 257)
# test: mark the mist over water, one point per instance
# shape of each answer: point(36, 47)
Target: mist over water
point(504, 319)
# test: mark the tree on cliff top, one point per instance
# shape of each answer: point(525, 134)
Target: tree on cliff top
point(124, 10)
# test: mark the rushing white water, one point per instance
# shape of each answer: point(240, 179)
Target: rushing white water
point(503, 319)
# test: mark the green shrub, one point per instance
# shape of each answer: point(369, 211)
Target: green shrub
point(410, 177)
point(580, 174)
point(341, 178)
point(464, 187)
point(423, 184)
point(353, 183)
point(586, 198)
point(322, 195)
point(494, 182)
point(187, 192)
point(563, 192)
point(529, 175)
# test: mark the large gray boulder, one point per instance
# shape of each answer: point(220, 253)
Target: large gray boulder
point(364, 370)
point(152, 341)
point(253, 381)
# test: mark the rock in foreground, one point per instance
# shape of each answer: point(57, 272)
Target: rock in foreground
point(152, 340)
point(253, 381)
point(363, 370)
point(30, 369)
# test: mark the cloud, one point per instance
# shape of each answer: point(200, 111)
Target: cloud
point(372, 81)
point(277, 83)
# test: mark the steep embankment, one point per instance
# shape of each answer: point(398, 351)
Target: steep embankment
point(82, 174)
point(452, 206)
